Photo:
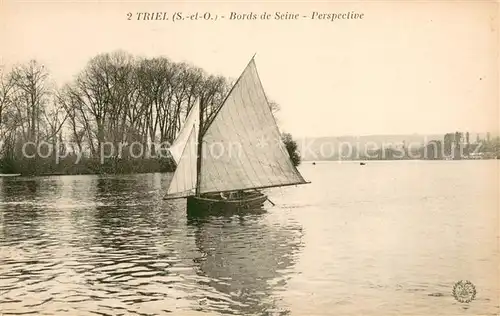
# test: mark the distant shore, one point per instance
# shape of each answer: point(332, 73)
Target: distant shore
point(395, 159)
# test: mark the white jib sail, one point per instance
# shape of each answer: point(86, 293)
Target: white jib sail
point(180, 142)
point(242, 148)
point(183, 183)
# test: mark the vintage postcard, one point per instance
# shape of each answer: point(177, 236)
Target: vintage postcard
point(249, 157)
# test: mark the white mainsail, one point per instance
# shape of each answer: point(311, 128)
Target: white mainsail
point(183, 183)
point(180, 142)
point(242, 147)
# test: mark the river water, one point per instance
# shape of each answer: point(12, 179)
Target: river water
point(388, 238)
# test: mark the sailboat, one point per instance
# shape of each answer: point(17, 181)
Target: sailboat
point(227, 160)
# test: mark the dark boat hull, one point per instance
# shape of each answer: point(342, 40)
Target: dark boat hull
point(214, 204)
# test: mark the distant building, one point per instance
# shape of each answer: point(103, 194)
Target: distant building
point(453, 147)
point(467, 144)
point(433, 150)
point(458, 146)
point(448, 144)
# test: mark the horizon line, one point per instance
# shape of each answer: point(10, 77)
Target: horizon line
point(492, 133)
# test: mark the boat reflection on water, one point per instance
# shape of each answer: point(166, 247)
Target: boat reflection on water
point(245, 260)
point(224, 212)
point(102, 244)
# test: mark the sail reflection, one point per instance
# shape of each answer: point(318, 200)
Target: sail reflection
point(111, 244)
point(247, 260)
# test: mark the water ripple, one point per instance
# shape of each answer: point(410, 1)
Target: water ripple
point(110, 245)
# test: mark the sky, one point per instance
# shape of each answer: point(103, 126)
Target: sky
point(405, 67)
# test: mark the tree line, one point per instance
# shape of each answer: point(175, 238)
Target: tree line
point(116, 99)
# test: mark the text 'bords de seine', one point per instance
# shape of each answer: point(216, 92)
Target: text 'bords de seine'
point(241, 16)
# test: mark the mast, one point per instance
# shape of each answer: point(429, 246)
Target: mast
point(199, 148)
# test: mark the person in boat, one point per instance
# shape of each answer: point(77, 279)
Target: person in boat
point(238, 194)
point(234, 195)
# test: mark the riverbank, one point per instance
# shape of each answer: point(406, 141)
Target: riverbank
point(85, 166)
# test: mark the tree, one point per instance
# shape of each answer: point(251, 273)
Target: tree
point(30, 83)
point(24, 112)
point(292, 148)
point(275, 107)
point(290, 144)
point(116, 99)
point(6, 90)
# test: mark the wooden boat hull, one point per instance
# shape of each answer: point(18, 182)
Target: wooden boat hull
point(201, 204)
